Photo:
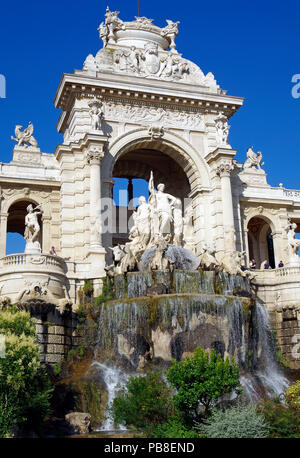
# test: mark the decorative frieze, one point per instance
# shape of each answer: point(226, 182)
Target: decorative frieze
point(143, 114)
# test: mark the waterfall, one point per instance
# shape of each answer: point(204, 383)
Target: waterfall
point(206, 309)
point(267, 378)
point(114, 378)
point(181, 258)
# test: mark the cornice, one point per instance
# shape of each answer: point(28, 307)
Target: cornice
point(112, 85)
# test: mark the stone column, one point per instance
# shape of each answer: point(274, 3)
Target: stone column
point(96, 252)
point(3, 233)
point(224, 170)
point(246, 245)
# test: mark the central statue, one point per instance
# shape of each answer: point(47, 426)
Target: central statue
point(162, 205)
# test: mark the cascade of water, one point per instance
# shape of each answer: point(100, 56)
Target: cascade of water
point(267, 378)
point(114, 378)
point(138, 282)
point(269, 371)
point(182, 258)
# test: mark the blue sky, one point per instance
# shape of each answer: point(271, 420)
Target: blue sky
point(251, 47)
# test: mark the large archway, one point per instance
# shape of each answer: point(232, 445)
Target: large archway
point(173, 160)
point(135, 166)
point(260, 242)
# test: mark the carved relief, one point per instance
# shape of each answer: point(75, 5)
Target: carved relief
point(155, 132)
point(145, 114)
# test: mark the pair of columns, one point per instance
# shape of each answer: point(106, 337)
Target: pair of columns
point(221, 161)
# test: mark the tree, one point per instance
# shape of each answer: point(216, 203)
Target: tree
point(202, 378)
point(235, 422)
point(143, 403)
point(25, 389)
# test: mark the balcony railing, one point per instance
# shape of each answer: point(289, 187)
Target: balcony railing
point(24, 261)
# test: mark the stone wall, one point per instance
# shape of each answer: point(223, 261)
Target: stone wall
point(286, 324)
point(57, 331)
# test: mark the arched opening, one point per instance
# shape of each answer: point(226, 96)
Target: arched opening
point(15, 242)
point(260, 242)
point(131, 174)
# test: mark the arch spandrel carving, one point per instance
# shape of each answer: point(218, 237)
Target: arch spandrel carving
point(179, 149)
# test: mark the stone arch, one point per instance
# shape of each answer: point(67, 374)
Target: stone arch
point(193, 165)
point(260, 241)
point(14, 209)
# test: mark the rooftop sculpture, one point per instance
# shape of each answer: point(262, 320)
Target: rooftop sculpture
point(25, 137)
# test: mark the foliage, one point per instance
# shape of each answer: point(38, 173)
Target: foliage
point(235, 422)
point(284, 422)
point(81, 314)
point(144, 403)
point(56, 369)
point(88, 288)
point(25, 389)
point(281, 359)
point(174, 428)
point(202, 378)
point(292, 396)
point(77, 352)
point(16, 322)
point(107, 292)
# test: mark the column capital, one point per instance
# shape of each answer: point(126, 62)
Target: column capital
point(94, 154)
point(224, 168)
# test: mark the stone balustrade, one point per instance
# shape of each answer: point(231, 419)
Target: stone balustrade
point(22, 261)
point(287, 271)
point(21, 272)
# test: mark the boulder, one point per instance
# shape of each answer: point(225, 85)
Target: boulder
point(79, 423)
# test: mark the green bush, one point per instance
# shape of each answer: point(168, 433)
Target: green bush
point(25, 389)
point(292, 396)
point(235, 422)
point(88, 288)
point(174, 428)
point(16, 322)
point(202, 378)
point(144, 403)
point(284, 421)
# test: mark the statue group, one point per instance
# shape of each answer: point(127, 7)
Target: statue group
point(157, 223)
point(160, 218)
